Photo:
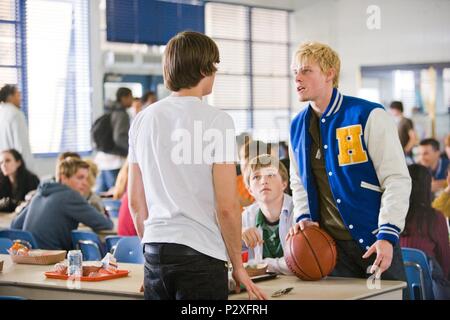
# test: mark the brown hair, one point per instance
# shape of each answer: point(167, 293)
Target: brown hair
point(265, 161)
point(188, 58)
point(69, 167)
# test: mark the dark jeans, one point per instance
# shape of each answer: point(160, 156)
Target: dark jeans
point(350, 263)
point(177, 272)
point(106, 180)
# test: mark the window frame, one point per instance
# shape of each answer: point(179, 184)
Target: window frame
point(250, 112)
point(24, 80)
point(20, 48)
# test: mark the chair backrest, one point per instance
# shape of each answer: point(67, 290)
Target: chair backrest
point(14, 234)
point(129, 250)
point(112, 206)
point(111, 243)
point(90, 250)
point(418, 274)
point(78, 235)
point(12, 298)
point(5, 244)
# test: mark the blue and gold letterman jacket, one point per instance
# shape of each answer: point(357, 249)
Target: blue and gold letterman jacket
point(365, 164)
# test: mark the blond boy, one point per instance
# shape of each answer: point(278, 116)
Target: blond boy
point(348, 171)
point(58, 207)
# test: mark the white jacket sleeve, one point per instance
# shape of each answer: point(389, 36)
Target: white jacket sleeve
point(20, 137)
point(385, 150)
point(277, 265)
point(299, 195)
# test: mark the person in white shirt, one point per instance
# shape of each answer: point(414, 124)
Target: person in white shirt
point(266, 222)
point(13, 128)
point(182, 182)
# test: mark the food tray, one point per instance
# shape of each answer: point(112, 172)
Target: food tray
point(42, 257)
point(103, 275)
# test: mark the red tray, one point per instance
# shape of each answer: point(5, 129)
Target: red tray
point(104, 275)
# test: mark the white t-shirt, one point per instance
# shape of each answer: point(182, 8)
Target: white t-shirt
point(175, 142)
point(14, 132)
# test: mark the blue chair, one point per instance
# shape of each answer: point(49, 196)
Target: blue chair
point(5, 244)
point(111, 243)
point(90, 250)
point(112, 206)
point(418, 274)
point(78, 235)
point(14, 234)
point(129, 250)
point(12, 298)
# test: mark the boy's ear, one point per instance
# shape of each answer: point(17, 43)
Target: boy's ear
point(330, 74)
point(285, 184)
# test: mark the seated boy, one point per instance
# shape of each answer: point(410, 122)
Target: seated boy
point(272, 213)
point(58, 208)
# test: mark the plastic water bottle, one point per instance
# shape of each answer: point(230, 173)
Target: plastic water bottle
point(75, 259)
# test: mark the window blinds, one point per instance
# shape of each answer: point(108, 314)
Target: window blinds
point(10, 42)
point(58, 77)
point(253, 83)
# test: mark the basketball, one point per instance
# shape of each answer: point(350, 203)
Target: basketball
point(311, 254)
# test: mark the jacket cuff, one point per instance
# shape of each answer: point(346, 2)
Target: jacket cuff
point(305, 216)
point(389, 232)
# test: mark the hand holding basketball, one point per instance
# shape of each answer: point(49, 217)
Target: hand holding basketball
point(300, 226)
point(310, 253)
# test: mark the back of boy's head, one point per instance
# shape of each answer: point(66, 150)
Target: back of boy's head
point(265, 161)
point(123, 93)
point(6, 91)
point(397, 105)
point(435, 145)
point(69, 167)
point(188, 58)
point(323, 55)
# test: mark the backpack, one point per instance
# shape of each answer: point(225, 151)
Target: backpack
point(102, 133)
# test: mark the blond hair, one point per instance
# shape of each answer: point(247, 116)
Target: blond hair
point(265, 161)
point(69, 167)
point(447, 141)
point(93, 172)
point(323, 55)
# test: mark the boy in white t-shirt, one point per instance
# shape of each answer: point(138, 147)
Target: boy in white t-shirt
point(182, 182)
point(266, 222)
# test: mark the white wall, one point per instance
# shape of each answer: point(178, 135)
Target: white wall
point(411, 31)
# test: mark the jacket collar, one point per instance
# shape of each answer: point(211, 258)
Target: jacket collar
point(335, 103)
